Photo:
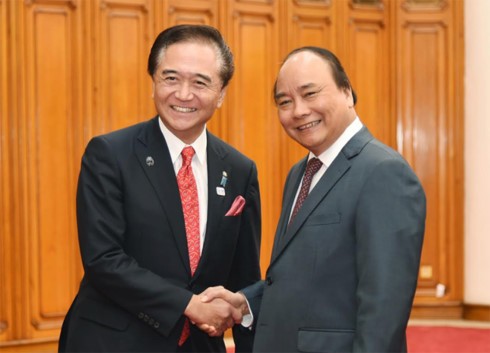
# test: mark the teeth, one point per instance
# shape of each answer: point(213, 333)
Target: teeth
point(183, 109)
point(307, 126)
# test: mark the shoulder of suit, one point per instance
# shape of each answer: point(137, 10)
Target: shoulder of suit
point(124, 133)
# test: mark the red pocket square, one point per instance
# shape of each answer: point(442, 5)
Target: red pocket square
point(237, 206)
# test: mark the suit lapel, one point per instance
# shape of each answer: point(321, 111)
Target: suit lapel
point(334, 173)
point(151, 144)
point(291, 187)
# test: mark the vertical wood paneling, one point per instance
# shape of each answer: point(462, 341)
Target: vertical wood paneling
point(123, 85)
point(5, 297)
point(253, 127)
point(52, 104)
point(368, 66)
point(427, 138)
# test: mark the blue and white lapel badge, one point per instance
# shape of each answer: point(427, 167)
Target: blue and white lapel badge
point(149, 161)
point(220, 190)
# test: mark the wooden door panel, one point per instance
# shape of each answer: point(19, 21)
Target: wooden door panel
point(427, 138)
point(47, 164)
point(252, 124)
point(124, 87)
point(5, 325)
point(368, 64)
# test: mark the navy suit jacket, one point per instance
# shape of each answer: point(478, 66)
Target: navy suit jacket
point(137, 279)
point(343, 274)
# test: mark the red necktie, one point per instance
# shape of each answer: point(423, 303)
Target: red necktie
point(190, 207)
point(313, 166)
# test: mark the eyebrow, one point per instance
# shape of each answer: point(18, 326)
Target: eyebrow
point(301, 88)
point(202, 76)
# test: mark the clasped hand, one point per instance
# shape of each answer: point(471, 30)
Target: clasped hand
point(216, 309)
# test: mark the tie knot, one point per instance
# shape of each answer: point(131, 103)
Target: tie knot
point(187, 154)
point(313, 166)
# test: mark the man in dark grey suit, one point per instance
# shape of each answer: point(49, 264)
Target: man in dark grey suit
point(344, 266)
point(141, 283)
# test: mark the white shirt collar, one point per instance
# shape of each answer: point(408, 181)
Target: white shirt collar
point(175, 145)
point(333, 151)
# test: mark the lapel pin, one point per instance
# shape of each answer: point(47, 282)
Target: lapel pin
point(149, 161)
point(224, 179)
point(220, 191)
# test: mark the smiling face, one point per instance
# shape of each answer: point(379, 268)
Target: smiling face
point(312, 109)
point(187, 88)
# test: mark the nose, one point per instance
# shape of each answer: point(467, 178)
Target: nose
point(301, 109)
point(184, 91)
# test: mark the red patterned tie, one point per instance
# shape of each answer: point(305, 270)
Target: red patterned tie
point(313, 166)
point(190, 207)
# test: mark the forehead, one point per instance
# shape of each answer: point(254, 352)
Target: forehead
point(192, 54)
point(304, 67)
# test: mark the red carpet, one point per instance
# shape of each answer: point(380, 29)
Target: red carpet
point(439, 339)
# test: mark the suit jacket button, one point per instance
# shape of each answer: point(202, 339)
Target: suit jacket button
point(157, 325)
point(141, 315)
point(269, 280)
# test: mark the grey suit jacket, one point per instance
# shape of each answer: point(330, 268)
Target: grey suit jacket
point(343, 274)
point(131, 230)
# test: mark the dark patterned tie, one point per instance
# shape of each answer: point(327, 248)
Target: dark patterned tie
point(190, 207)
point(313, 166)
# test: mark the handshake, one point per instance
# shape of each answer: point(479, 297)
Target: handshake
point(216, 309)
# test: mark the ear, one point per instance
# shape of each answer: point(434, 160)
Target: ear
point(349, 97)
point(221, 97)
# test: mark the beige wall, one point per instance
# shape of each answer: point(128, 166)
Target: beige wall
point(477, 152)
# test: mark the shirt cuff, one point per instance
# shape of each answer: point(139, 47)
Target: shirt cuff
point(248, 319)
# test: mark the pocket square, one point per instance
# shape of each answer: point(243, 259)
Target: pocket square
point(237, 206)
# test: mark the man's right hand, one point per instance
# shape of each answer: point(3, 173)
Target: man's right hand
point(212, 316)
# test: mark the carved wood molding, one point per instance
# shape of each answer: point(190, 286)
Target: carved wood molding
point(143, 4)
point(322, 3)
point(72, 3)
point(376, 5)
point(424, 5)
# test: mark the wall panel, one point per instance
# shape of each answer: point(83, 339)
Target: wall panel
point(123, 87)
point(368, 65)
point(52, 104)
point(5, 297)
point(252, 124)
point(428, 139)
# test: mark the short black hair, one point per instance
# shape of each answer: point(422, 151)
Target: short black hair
point(339, 74)
point(193, 33)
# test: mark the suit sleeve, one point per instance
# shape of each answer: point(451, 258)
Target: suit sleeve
point(390, 221)
point(101, 229)
point(246, 262)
